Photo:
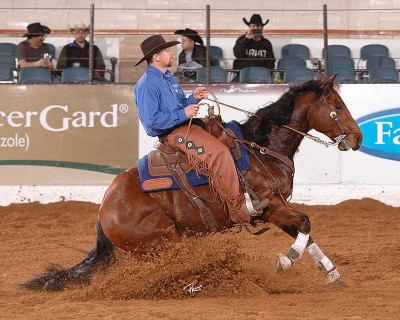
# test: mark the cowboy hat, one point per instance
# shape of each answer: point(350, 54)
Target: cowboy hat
point(79, 25)
point(192, 34)
point(153, 45)
point(255, 19)
point(36, 29)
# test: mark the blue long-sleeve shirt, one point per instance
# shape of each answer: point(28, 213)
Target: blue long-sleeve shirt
point(160, 101)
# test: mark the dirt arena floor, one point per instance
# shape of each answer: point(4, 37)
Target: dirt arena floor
point(236, 270)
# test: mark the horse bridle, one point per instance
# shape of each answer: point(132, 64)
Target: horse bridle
point(332, 114)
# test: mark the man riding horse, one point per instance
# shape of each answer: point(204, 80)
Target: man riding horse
point(165, 111)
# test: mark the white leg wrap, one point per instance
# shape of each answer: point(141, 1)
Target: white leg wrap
point(320, 259)
point(297, 249)
point(332, 276)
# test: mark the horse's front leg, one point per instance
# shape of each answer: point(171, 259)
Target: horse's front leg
point(297, 225)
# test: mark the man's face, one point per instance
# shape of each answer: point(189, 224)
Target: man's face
point(165, 58)
point(38, 40)
point(187, 43)
point(253, 26)
point(80, 35)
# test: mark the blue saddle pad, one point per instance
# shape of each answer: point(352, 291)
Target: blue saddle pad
point(151, 183)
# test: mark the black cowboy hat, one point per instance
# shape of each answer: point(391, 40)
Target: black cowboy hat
point(255, 19)
point(36, 29)
point(192, 34)
point(153, 45)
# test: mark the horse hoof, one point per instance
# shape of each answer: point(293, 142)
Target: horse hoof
point(283, 263)
point(334, 278)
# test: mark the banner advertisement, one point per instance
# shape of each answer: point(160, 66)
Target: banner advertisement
point(87, 128)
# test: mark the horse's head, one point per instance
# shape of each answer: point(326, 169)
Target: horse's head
point(332, 118)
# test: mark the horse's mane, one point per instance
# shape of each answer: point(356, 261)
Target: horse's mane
point(279, 112)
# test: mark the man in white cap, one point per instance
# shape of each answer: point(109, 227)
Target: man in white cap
point(77, 53)
point(165, 112)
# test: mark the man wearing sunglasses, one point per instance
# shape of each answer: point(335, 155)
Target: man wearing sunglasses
point(33, 52)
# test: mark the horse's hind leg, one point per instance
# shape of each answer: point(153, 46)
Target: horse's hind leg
point(297, 225)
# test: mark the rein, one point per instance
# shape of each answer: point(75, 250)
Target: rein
point(332, 114)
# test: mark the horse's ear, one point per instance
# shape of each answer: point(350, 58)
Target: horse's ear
point(328, 85)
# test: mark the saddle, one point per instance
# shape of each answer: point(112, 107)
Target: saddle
point(167, 161)
point(159, 160)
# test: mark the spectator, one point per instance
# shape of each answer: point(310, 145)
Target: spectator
point(33, 52)
point(77, 53)
point(252, 49)
point(193, 55)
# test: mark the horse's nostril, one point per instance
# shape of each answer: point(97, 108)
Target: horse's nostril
point(359, 140)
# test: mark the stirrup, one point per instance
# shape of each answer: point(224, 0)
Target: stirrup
point(254, 207)
point(260, 205)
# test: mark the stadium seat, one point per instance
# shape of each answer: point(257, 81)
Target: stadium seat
point(295, 51)
point(288, 63)
point(381, 62)
point(8, 49)
point(6, 74)
point(52, 50)
point(337, 50)
point(34, 75)
point(255, 75)
point(344, 74)
point(217, 55)
point(341, 62)
point(298, 75)
point(7, 61)
point(75, 75)
point(218, 74)
point(373, 50)
point(383, 75)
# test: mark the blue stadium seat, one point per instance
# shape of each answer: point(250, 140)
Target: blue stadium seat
point(218, 74)
point(295, 51)
point(52, 50)
point(217, 55)
point(341, 62)
point(381, 62)
point(7, 61)
point(34, 75)
point(337, 50)
point(255, 75)
point(8, 49)
point(298, 75)
point(75, 75)
point(383, 75)
point(373, 50)
point(344, 74)
point(288, 63)
point(6, 74)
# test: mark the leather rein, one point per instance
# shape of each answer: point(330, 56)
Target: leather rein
point(332, 114)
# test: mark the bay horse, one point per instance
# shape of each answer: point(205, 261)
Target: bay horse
point(138, 222)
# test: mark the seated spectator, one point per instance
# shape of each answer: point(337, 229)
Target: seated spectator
point(252, 49)
point(77, 53)
point(33, 52)
point(193, 55)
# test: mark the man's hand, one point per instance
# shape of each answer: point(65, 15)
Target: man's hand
point(191, 110)
point(200, 93)
point(249, 34)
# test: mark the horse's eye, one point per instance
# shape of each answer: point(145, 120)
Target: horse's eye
point(339, 106)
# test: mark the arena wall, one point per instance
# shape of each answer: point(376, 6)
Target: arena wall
point(69, 141)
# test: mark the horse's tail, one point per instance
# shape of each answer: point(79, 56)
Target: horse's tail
point(56, 279)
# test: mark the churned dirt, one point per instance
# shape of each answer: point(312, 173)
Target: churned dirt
point(235, 270)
